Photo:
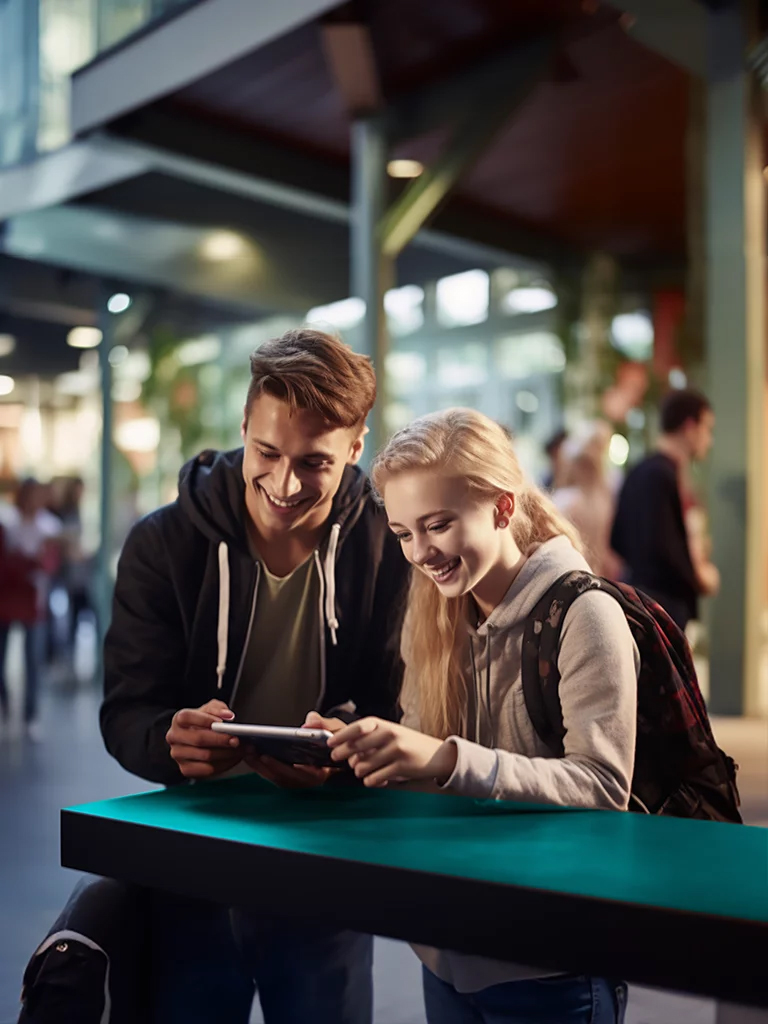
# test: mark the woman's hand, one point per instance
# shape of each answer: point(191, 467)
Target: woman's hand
point(380, 752)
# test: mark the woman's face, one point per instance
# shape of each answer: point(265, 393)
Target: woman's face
point(444, 530)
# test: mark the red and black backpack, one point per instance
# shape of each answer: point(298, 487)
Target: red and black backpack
point(679, 768)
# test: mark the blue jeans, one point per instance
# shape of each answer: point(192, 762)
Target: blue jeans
point(306, 973)
point(564, 999)
point(32, 653)
point(196, 973)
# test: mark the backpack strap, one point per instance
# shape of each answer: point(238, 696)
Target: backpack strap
point(541, 644)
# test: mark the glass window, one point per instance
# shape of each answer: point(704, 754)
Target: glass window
point(463, 299)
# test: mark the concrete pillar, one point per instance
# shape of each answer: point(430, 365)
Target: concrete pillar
point(735, 346)
point(371, 274)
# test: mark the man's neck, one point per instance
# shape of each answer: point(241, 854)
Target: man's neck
point(283, 552)
point(674, 448)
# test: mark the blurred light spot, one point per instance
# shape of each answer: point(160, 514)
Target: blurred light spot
point(223, 245)
point(84, 337)
point(7, 384)
point(404, 308)
point(139, 435)
point(462, 299)
point(344, 314)
point(126, 391)
point(118, 355)
point(136, 366)
point(636, 419)
point(677, 378)
point(405, 168)
point(200, 350)
point(7, 344)
point(618, 450)
point(529, 300)
point(632, 334)
point(522, 355)
point(76, 384)
point(119, 302)
point(406, 371)
point(526, 401)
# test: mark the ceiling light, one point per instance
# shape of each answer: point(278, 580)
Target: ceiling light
point(7, 344)
point(404, 168)
point(223, 245)
point(84, 337)
point(119, 302)
point(7, 384)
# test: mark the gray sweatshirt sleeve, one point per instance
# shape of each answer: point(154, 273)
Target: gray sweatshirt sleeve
point(599, 664)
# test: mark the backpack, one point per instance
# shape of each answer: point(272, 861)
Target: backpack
point(679, 769)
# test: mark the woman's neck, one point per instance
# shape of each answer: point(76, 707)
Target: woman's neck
point(490, 591)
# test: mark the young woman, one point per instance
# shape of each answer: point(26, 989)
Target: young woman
point(486, 544)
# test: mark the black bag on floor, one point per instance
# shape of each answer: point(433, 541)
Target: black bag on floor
point(91, 968)
point(679, 769)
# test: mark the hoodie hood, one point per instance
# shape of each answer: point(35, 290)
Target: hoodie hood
point(542, 568)
point(212, 495)
point(495, 646)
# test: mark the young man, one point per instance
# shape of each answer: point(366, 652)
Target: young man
point(271, 587)
point(649, 530)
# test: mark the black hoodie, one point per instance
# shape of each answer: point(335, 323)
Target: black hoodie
point(183, 601)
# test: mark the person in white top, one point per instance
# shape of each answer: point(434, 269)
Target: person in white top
point(486, 545)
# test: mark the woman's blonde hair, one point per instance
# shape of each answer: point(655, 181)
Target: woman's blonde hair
point(461, 443)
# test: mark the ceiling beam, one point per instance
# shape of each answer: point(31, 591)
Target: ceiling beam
point(349, 52)
point(675, 29)
point(164, 58)
point(482, 115)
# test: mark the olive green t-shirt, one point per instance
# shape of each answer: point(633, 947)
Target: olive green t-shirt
point(281, 676)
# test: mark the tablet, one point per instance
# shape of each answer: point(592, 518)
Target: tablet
point(284, 743)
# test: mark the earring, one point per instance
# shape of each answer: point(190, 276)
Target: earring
point(502, 522)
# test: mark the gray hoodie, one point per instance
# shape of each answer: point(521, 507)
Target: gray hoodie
point(501, 757)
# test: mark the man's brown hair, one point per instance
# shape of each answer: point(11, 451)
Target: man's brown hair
point(312, 370)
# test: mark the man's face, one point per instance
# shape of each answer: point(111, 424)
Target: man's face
point(292, 465)
point(700, 435)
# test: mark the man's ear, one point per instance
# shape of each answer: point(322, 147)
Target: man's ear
point(357, 448)
point(244, 424)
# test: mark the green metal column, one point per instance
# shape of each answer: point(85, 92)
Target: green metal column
point(735, 347)
point(103, 573)
point(370, 273)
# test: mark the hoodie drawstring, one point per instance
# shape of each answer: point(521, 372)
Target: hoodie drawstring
point(222, 633)
point(330, 581)
point(477, 695)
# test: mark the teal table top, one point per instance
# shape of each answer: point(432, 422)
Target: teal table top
point(701, 867)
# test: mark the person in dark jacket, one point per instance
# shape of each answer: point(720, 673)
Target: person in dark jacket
point(649, 530)
point(270, 588)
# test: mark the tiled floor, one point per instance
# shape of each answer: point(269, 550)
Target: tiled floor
point(71, 766)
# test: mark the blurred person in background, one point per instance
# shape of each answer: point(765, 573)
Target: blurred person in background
point(585, 496)
point(663, 548)
point(29, 555)
point(76, 567)
point(553, 450)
